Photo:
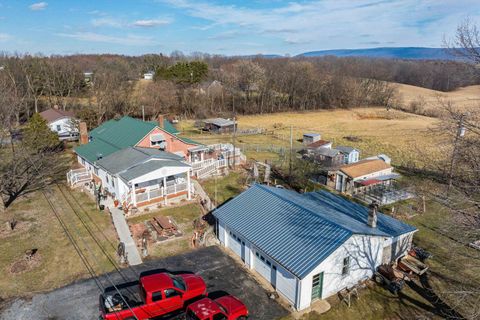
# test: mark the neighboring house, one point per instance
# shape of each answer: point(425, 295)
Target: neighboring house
point(62, 123)
point(309, 246)
point(115, 135)
point(309, 138)
point(219, 125)
point(351, 154)
point(356, 176)
point(143, 176)
point(88, 77)
point(149, 75)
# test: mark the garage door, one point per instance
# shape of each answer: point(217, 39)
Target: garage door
point(264, 267)
point(234, 243)
point(286, 284)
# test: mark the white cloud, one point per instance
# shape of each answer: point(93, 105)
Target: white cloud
point(329, 24)
point(151, 22)
point(4, 37)
point(107, 22)
point(128, 40)
point(38, 6)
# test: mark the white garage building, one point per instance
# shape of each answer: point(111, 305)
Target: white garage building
point(309, 246)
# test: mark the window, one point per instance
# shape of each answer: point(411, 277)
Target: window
point(113, 183)
point(268, 263)
point(178, 283)
point(106, 177)
point(274, 267)
point(59, 127)
point(346, 266)
point(83, 161)
point(157, 296)
point(170, 293)
point(96, 171)
point(219, 316)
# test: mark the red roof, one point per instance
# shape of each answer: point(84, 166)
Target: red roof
point(54, 114)
point(369, 182)
point(318, 143)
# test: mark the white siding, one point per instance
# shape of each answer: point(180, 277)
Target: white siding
point(365, 254)
point(62, 126)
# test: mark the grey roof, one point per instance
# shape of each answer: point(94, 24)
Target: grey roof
point(297, 230)
point(131, 156)
point(220, 122)
point(311, 135)
point(149, 166)
point(328, 152)
point(345, 149)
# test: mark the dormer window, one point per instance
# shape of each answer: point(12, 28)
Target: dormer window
point(158, 140)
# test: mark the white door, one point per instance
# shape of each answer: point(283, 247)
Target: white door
point(286, 284)
point(263, 267)
point(235, 244)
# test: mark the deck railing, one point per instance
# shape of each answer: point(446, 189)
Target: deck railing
point(78, 175)
point(161, 192)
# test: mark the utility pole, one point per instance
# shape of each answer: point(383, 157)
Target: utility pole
point(290, 168)
point(234, 130)
point(143, 113)
point(460, 133)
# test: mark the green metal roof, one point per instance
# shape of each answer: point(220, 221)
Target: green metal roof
point(114, 135)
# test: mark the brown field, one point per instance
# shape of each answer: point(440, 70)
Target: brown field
point(401, 135)
point(430, 101)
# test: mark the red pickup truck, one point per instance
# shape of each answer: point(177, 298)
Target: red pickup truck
point(153, 296)
point(224, 308)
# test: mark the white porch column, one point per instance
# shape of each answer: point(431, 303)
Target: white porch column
point(202, 155)
point(165, 189)
point(134, 196)
point(189, 186)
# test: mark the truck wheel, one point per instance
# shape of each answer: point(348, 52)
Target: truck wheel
point(242, 318)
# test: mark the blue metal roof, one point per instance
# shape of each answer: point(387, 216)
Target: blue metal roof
point(297, 230)
point(312, 135)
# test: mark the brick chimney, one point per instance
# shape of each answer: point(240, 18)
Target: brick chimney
point(83, 133)
point(372, 214)
point(160, 120)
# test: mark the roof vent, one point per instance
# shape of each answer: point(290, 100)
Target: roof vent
point(372, 214)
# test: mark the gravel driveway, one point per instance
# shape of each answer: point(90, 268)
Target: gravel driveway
point(79, 300)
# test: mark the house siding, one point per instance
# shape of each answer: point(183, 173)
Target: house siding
point(174, 144)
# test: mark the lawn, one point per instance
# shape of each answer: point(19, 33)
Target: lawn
point(403, 136)
point(184, 217)
point(221, 189)
point(56, 263)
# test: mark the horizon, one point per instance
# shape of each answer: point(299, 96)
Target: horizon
point(229, 28)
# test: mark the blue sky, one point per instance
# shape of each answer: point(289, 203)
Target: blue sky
point(226, 27)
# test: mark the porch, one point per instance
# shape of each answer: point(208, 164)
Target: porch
point(75, 176)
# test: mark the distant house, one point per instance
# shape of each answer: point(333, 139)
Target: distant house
point(62, 123)
point(88, 77)
point(351, 154)
point(352, 177)
point(218, 125)
point(309, 138)
point(149, 75)
point(309, 246)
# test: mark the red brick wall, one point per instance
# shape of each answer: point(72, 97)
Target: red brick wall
point(173, 143)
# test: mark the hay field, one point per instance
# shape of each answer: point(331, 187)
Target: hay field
point(430, 101)
point(374, 130)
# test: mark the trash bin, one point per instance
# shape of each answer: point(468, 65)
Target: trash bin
point(101, 207)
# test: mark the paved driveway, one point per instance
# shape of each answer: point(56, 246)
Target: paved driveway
point(80, 300)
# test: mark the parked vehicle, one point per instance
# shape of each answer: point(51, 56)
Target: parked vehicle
point(223, 308)
point(419, 253)
point(152, 296)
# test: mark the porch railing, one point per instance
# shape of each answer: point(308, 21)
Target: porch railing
point(78, 175)
point(161, 192)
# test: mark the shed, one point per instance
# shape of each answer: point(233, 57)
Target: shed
point(219, 125)
point(309, 138)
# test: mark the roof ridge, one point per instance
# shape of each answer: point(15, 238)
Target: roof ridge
point(302, 207)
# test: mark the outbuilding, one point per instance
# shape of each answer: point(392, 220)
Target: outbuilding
point(219, 125)
point(309, 246)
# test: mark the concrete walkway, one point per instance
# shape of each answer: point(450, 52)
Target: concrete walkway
point(123, 232)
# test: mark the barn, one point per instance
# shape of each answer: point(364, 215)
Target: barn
point(309, 246)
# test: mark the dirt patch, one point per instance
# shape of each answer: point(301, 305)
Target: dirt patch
point(24, 265)
point(380, 115)
point(20, 227)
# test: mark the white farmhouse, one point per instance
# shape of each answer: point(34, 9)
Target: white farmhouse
point(62, 123)
point(309, 246)
point(149, 75)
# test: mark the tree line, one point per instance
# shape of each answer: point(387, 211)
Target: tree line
point(202, 85)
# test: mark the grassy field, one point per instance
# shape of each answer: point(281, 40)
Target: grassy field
point(402, 136)
point(222, 189)
point(183, 216)
point(56, 263)
point(429, 100)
